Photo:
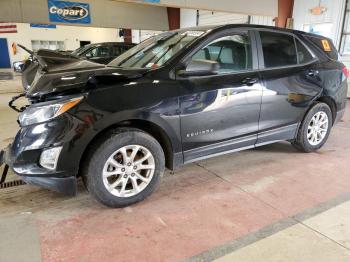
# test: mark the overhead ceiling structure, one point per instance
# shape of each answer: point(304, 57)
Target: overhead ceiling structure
point(141, 14)
point(249, 7)
point(104, 13)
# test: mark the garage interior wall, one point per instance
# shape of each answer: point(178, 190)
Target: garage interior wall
point(333, 15)
point(104, 13)
point(188, 18)
point(252, 7)
point(140, 35)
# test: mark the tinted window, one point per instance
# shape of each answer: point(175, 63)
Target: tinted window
point(304, 55)
point(279, 49)
point(233, 53)
point(325, 45)
point(117, 50)
point(101, 51)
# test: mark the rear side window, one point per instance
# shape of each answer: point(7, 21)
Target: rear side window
point(100, 51)
point(324, 45)
point(279, 49)
point(304, 55)
point(116, 50)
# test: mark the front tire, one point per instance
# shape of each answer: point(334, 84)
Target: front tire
point(314, 131)
point(124, 168)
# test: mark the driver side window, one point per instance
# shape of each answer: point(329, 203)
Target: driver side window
point(232, 53)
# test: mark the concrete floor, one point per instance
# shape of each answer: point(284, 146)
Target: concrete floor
point(266, 204)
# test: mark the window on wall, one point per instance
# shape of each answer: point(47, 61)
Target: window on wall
point(279, 49)
point(233, 53)
point(44, 44)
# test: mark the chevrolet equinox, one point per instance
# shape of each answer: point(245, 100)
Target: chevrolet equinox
point(176, 98)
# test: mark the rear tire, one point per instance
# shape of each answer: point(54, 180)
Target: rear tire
point(315, 129)
point(124, 168)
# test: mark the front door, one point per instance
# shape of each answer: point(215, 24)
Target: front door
point(4, 54)
point(221, 112)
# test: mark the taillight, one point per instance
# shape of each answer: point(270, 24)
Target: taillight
point(346, 71)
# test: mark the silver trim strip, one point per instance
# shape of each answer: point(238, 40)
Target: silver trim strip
point(239, 140)
point(219, 154)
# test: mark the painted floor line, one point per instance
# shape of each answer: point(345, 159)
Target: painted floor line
point(269, 230)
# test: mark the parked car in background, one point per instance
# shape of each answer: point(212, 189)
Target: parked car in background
point(102, 53)
point(179, 97)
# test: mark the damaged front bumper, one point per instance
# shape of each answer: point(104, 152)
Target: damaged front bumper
point(34, 176)
point(23, 155)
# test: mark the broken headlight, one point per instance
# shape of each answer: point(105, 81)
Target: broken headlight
point(38, 114)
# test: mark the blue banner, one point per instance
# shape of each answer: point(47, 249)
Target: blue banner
point(69, 12)
point(43, 25)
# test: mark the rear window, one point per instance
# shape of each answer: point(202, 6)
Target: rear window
point(304, 55)
point(279, 49)
point(325, 45)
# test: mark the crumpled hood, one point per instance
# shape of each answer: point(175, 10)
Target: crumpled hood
point(64, 73)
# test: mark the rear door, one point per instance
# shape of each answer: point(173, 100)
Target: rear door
point(290, 82)
point(221, 112)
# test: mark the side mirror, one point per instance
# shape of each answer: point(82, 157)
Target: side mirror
point(200, 68)
point(88, 55)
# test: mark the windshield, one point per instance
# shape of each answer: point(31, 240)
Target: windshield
point(156, 51)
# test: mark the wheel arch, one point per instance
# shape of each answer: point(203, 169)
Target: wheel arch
point(331, 103)
point(146, 126)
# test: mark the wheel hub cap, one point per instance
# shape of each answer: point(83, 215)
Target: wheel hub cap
point(318, 128)
point(128, 171)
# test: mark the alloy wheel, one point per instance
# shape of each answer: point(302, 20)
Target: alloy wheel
point(318, 128)
point(128, 171)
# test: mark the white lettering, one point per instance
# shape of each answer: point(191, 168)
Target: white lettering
point(69, 13)
point(53, 9)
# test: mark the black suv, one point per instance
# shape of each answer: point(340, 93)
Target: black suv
point(102, 53)
point(176, 98)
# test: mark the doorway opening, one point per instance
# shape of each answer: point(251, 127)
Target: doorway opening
point(82, 43)
point(4, 54)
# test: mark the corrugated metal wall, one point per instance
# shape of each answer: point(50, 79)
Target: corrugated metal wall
point(262, 20)
point(219, 18)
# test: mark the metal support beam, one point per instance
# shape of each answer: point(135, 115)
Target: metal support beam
point(285, 11)
point(173, 18)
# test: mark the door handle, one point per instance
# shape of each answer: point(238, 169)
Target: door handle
point(249, 81)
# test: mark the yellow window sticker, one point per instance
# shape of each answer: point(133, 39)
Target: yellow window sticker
point(326, 45)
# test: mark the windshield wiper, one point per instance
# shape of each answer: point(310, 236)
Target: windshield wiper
point(146, 48)
point(170, 46)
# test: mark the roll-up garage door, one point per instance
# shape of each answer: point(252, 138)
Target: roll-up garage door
point(221, 18)
point(218, 18)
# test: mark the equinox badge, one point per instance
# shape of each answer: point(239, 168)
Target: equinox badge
point(200, 132)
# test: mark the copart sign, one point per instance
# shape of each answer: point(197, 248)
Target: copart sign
point(69, 12)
